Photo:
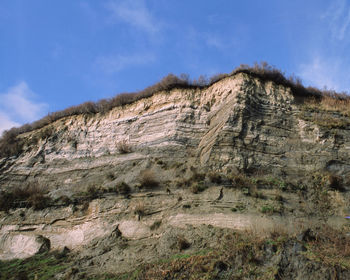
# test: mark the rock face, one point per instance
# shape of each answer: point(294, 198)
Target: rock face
point(22, 245)
point(239, 125)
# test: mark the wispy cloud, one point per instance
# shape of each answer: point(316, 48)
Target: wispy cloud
point(196, 39)
point(134, 13)
point(215, 41)
point(114, 63)
point(18, 106)
point(6, 122)
point(338, 18)
point(323, 72)
point(328, 62)
point(219, 42)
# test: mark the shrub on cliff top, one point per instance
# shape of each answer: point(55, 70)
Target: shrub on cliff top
point(10, 145)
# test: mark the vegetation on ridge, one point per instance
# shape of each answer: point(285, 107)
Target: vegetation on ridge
point(249, 255)
point(11, 145)
point(237, 255)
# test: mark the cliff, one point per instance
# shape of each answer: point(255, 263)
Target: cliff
point(240, 154)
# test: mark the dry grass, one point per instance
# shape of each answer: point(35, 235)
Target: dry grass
point(215, 177)
point(331, 247)
point(122, 188)
point(326, 119)
point(30, 195)
point(335, 182)
point(277, 196)
point(139, 209)
point(239, 254)
point(196, 183)
point(93, 192)
point(6, 201)
point(240, 181)
point(110, 176)
point(256, 255)
point(196, 176)
point(339, 203)
point(182, 243)
point(335, 102)
point(182, 267)
point(197, 187)
point(272, 230)
point(155, 225)
point(11, 145)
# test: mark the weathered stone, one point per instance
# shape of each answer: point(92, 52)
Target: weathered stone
point(249, 125)
point(22, 245)
point(238, 125)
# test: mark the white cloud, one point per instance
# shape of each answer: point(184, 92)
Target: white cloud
point(323, 72)
point(134, 13)
point(6, 122)
point(115, 63)
point(17, 106)
point(196, 38)
point(338, 19)
point(219, 42)
point(328, 61)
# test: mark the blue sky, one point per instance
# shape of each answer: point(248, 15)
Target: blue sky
point(58, 53)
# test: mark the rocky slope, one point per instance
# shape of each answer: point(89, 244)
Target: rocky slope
point(242, 154)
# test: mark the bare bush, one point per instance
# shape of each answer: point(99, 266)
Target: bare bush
point(31, 195)
point(182, 243)
point(123, 188)
point(139, 210)
point(335, 182)
point(148, 179)
point(202, 81)
point(217, 77)
point(330, 246)
point(197, 187)
point(10, 145)
point(6, 201)
point(39, 201)
point(93, 192)
point(215, 177)
point(240, 181)
point(124, 147)
point(156, 225)
point(63, 200)
point(110, 176)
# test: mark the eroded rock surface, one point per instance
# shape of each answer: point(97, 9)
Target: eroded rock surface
point(19, 246)
point(239, 125)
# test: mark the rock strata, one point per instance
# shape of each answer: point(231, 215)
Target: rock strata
point(242, 154)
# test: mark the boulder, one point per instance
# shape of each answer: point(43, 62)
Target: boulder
point(22, 245)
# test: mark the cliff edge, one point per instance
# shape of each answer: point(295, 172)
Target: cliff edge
point(177, 171)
